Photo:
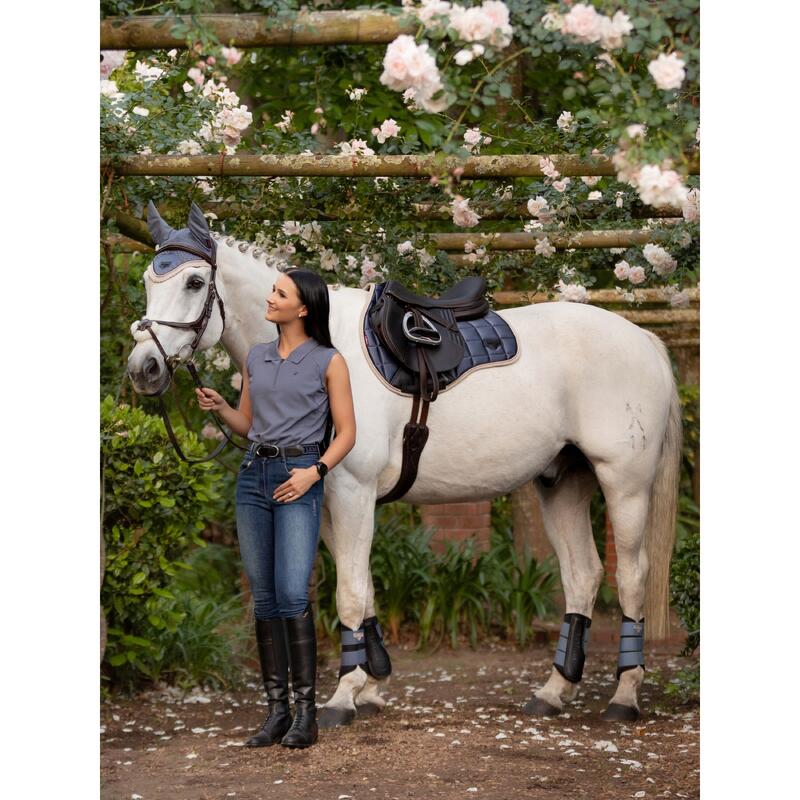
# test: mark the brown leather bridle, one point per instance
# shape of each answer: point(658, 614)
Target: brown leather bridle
point(174, 361)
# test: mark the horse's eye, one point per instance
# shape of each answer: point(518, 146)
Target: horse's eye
point(195, 283)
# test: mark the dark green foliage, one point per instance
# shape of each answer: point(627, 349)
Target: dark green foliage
point(153, 511)
point(685, 586)
point(452, 594)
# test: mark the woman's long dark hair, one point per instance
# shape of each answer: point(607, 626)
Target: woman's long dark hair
point(313, 293)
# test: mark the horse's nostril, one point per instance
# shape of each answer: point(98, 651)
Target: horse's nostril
point(151, 368)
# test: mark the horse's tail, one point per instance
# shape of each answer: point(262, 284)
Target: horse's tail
point(661, 518)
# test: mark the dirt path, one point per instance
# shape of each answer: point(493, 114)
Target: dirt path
point(453, 728)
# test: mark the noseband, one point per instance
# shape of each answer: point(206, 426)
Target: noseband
point(174, 361)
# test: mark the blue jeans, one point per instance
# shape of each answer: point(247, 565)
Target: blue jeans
point(277, 539)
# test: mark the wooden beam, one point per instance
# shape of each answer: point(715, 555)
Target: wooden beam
point(596, 296)
point(558, 239)
point(258, 30)
point(323, 165)
point(224, 209)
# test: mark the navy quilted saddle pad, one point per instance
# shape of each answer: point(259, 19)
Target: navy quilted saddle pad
point(487, 340)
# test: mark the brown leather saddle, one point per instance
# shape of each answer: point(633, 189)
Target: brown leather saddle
point(423, 336)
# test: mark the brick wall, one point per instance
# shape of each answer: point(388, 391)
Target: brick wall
point(458, 522)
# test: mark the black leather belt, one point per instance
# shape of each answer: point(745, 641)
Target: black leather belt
point(273, 451)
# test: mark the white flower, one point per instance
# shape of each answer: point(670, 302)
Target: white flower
point(636, 275)
point(356, 94)
point(634, 131)
point(109, 89)
point(142, 112)
point(622, 270)
point(404, 248)
point(425, 258)
point(146, 73)
point(472, 136)
point(668, 71)
point(311, 232)
point(613, 29)
point(679, 299)
point(429, 10)
point(389, 128)
point(291, 228)
point(189, 147)
point(561, 186)
point(355, 147)
point(110, 60)
point(548, 168)
point(565, 121)
point(463, 215)
point(463, 57)
point(659, 188)
point(286, 121)
point(583, 22)
point(231, 55)
point(552, 21)
point(187, 87)
point(469, 246)
point(536, 205)
point(595, 196)
point(544, 248)
point(663, 263)
point(221, 361)
point(603, 61)
point(328, 260)
point(590, 180)
point(618, 200)
point(572, 292)
point(210, 431)
point(691, 206)
point(408, 65)
point(196, 75)
point(236, 381)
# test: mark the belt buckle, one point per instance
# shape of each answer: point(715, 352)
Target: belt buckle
point(276, 449)
point(269, 447)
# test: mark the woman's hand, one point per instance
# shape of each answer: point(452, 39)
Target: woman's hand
point(300, 482)
point(210, 400)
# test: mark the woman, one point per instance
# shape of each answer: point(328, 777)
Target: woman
point(288, 387)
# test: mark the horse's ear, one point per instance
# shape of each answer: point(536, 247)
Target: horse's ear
point(159, 229)
point(199, 227)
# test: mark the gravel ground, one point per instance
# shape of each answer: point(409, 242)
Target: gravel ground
point(453, 728)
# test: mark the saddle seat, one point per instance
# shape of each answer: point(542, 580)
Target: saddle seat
point(467, 293)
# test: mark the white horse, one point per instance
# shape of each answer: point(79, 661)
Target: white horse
point(590, 398)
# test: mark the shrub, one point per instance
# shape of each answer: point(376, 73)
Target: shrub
point(685, 576)
point(153, 510)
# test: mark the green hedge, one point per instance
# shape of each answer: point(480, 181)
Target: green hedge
point(154, 507)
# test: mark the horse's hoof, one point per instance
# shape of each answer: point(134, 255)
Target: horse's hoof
point(368, 710)
point(536, 707)
point(334, 717)
point(616, 712)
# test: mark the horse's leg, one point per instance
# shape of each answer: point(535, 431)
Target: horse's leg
point(566, 515)
point(351, 505)
point(369, 700)
point(627, 504)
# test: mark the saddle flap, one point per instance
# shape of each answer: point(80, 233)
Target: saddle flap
point(395, 322)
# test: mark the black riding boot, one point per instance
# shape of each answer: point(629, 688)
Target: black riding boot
point(303, 655)
point(271, 638)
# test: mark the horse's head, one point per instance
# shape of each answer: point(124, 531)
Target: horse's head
point(184, 310)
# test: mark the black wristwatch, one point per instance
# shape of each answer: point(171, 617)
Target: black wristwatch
point(322, 468)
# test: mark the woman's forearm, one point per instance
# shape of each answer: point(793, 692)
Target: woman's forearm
point(236, 420)
point(341, 445)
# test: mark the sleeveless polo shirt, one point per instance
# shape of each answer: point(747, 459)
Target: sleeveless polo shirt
point(288, 395)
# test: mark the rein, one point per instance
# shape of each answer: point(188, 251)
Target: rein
point(172, 362)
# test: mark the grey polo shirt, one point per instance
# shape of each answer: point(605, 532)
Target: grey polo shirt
point(288, 396)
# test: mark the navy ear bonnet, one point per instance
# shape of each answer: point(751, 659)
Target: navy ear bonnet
point(197, 236)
